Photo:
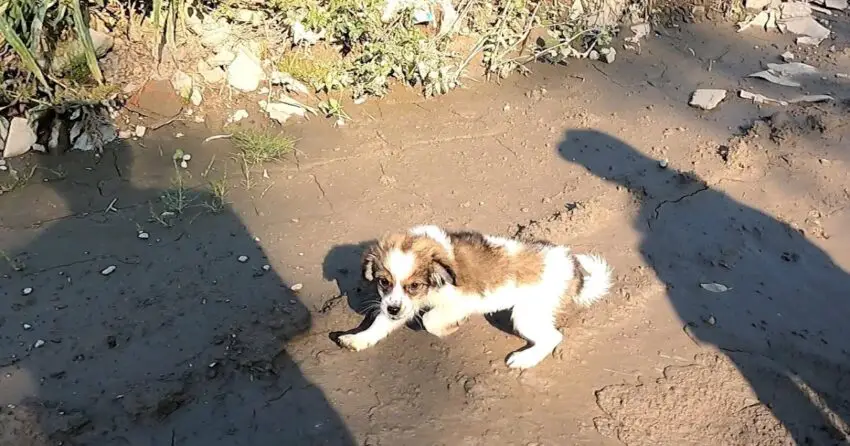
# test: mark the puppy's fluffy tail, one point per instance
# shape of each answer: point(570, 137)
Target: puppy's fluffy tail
point(596, 279)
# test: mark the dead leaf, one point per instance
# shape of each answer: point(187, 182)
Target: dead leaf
point(715, 287)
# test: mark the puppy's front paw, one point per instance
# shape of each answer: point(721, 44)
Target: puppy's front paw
point(354, 342)
point(437, 327)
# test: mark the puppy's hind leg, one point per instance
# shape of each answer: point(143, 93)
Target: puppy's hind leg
point(534, 320)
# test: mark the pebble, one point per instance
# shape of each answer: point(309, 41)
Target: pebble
point(663, 163)
point(144, 235)
point(242, 259)
point(27, 326)
point(187, 157)
point(39, 343)
point(140, 131)
point(108, 270)
point(297, 287)
point(525, 210)
point(267, 267)
point(26, 291)
point(179, 135)
point(184, 164)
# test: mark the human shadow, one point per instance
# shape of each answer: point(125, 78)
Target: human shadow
point(137, 327)
point(783, 320)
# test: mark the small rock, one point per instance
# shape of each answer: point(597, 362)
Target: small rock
point(757, 5)
point(788, 56)
point(242, 259)
point(297, 287)
point(610, 54)
point(182, 84)
point(125, 134)
point(184, 164)
point(108, 270)
point(179, 135)
point(144, 235)
point(140, 131)
point(245, 72)
point(594, 55)
point(39, 343)
point(20, 138)
point(238, 115)
point(707, 99)
point(267, 268)
point(525, 210)
point(195, 97)
point(663, 164)
point(26, 291)
point(221, 59)
point(187, 157)
point(507, 107)
point(213, 75)
point(27, 326)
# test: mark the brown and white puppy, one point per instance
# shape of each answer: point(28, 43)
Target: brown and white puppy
point(457, 274)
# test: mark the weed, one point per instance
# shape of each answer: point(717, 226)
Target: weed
point(332, 108)
point(218, 195)
point(18, 180)
point(257, 147)
point(14, 263)
point(177, 198)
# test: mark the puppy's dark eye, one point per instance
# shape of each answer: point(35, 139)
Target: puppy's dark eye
point(414, 287)
point(383, 282)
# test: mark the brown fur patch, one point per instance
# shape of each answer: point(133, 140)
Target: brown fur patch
point(481, 266)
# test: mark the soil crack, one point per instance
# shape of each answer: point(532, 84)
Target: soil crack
point(657, 211)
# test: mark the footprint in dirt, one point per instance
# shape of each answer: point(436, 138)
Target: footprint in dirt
point(783, 319)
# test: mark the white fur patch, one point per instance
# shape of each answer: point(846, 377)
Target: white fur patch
point(511, 246)
point(400, 265)
point(435, 233)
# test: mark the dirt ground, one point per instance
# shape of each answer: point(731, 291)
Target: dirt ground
point(183, 344)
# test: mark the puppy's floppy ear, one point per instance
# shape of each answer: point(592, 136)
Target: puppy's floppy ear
point(368, 264)
point(442, 273)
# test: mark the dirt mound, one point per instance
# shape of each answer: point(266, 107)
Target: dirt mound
point(579, 218)
point(708, 402)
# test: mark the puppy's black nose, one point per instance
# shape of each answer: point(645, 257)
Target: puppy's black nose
point(393, 310)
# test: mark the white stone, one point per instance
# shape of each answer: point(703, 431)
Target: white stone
point(245, 72)
point(281, 112)
point(610, 54)
point(196, 98)
point(20, 138)
point(788, 56)
point(182, 84)
point(144, 235)
point(213, 75)
point(184, 164)
point(297, 287)
point(125, 134)
point(108, 270)
point(39, 343)
point(140, 131)
point(221, 58)
point(267, 267)
point(238, 115)
point(27, 326)
point(708, 98)
point(26, 291)
point(187, 157)
point(242, 259)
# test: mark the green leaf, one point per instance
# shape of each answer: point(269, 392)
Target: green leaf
point(82, 28)
point(24, 53)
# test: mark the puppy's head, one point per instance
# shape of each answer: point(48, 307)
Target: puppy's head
point(405, 269)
